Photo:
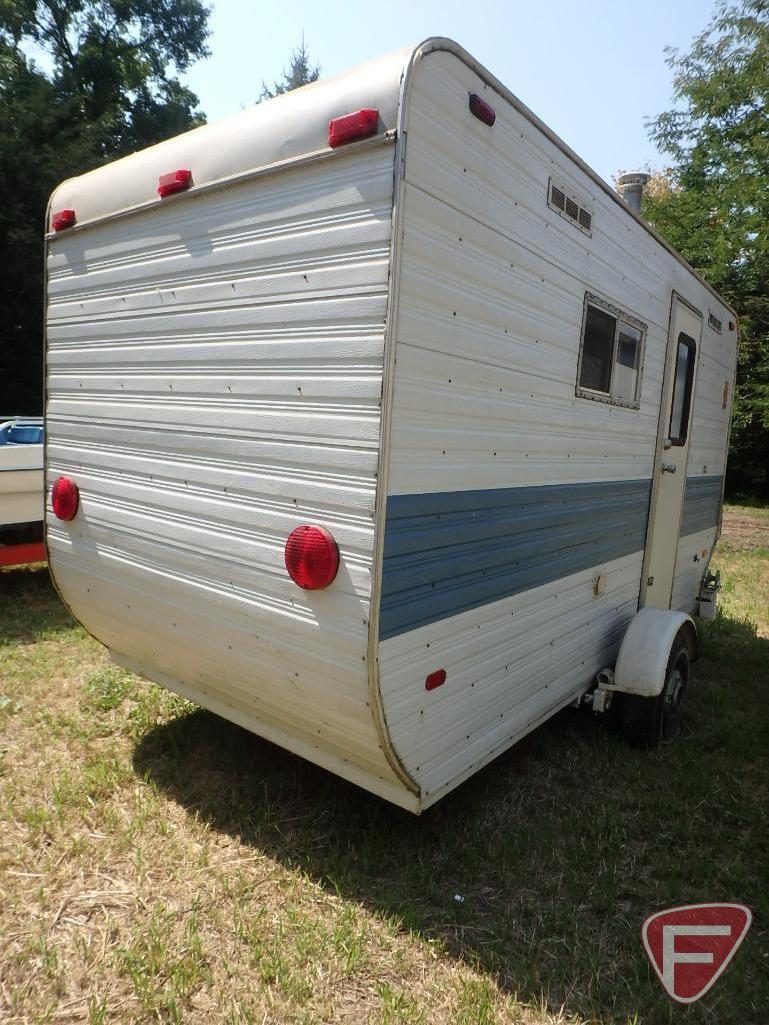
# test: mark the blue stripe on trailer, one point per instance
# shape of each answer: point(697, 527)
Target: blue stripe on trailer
point(452, 551)
point(702, 504)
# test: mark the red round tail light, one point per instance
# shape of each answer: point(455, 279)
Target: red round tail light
point(312, 557)
point(65, 499)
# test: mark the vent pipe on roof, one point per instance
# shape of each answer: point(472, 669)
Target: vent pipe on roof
point(631, 186)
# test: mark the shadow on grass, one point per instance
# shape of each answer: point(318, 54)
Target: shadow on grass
point(30, 608)
point(559, 849)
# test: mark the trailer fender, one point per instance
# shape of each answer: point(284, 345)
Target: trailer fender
point(645, 650)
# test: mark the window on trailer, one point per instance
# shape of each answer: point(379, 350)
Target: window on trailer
point(611, 354)
point(682, 389)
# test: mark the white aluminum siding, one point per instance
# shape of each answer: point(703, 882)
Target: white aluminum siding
point(214, 380)
point(491, 289)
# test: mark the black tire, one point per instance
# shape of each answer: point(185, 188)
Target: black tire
point(647, 722)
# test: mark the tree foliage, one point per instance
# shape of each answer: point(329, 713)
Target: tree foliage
point(103, 84)
point(301, 71)
point(715, 206)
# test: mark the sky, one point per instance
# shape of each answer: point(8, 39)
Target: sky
point(592, 71)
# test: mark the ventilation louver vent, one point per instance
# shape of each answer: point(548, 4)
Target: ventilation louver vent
point(579, 216)
point(714, 322)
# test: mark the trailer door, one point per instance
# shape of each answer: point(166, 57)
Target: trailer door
point(671, 454)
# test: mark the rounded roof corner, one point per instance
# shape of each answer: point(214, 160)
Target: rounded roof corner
point(275, 131)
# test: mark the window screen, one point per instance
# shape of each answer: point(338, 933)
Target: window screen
point(686, 352)
point(611, 354)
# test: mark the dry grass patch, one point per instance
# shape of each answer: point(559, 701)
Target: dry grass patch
point(745, 527)
point(158, 864)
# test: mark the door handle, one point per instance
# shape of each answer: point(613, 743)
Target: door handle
point(669, 467)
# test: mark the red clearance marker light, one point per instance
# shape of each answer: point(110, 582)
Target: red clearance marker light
point(62, 219)
point(65, 499)
point(174, 181)
point(312, 557)
point(481, 109)
point(359, 125)
point(435, 679)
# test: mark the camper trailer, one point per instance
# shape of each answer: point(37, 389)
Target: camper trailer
point(379, 424)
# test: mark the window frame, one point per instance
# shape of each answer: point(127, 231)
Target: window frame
point(691, 345)
point(620, 316)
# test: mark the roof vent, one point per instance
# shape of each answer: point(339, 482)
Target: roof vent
point(569, 206)
point(631, 187)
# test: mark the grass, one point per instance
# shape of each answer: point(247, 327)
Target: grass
point(158, 864)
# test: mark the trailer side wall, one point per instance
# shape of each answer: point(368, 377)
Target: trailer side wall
point(517, 511)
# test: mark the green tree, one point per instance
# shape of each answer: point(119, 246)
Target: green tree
point(300, 71)
point(715, 208)
point(109, 87)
